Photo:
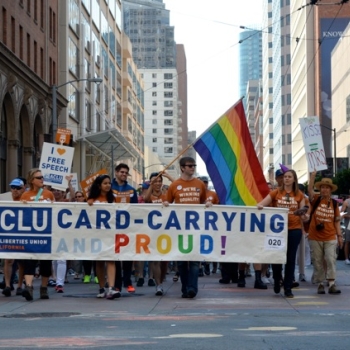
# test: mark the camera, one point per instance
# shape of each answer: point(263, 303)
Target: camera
point(320, 227)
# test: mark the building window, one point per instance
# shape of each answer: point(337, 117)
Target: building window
point(35, 57)
point(36, 11)
point(154, 112)
point(168, 94)
point(168, 122)
point(154, 121)
point(168, 76)
point(168, 140)
point(154, 131)
point(168, 131)
point(154, 139)
point(28, 50)
point(41, 63)
point(289, 119)
point(154, 84)
point(168, 113)
point(154, 103)
point(21, 42)
point(270, 135)
point(154, 149)
point(168, 103)
point(154, 93)
point(4, 26)
point(168, 85)
point(168, 150)
point(13, 34)
point(154, 75)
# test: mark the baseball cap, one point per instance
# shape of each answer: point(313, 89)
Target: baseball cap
point(145, 185)
point(17, 182)
point(204, 178)
point(279, 172)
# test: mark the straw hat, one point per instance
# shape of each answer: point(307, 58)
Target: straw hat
point(328, 182)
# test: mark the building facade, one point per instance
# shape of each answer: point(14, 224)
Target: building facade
point(28, 68)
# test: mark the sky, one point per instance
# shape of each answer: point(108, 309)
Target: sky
point(209, 31)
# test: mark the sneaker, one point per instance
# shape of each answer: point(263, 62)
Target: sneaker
point(96, 280)
point(159, 290)
point(302, 277)
point(71, 272)
point(130, 289)
point(265, 280)
point(7, 291)
point(113, 293)
point(288, 293)
point(241, 282)
point(87, 279)
point(276, 286)
point(151, 282)
point(347, 261)
point(28, 293)
point(333, 289)
point(140, 282)
point(320, 289)
point(101, 293)
point(295, 284)
point(19, 291)
point(259, 284)
point(51, 283)
point(59, 289)
point(224, 281)
point(44, 294)
point(191, 293)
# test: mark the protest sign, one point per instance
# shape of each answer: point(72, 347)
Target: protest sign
point(312, 137)
point(55, 164)
point(87, 182)
point(63, 136)
point(104, 231)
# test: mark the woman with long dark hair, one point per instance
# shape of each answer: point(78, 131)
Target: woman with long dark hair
point(101, 192)
point(287, 196)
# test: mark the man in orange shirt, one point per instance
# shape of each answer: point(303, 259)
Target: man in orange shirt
point(187, 190)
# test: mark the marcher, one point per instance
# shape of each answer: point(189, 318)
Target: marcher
point(187, 190)
point(17, 188)
point(287, 196)
point(324, 233)
point(124, 194)
point(36, 193)
point(101, 192)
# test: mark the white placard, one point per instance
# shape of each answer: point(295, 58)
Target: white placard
point(312, 137)
point(143, 232)
point(55, 164)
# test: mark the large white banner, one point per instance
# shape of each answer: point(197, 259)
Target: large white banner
point(142, 232)
point(312, 137)
point(55, 164)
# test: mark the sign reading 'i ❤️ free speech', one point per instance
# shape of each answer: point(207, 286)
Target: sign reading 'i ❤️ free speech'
point(55, 164)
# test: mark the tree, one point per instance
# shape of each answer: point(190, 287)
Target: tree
point(342, 180)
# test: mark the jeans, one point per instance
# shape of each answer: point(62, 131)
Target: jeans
point(189, 275)
point(294, 237)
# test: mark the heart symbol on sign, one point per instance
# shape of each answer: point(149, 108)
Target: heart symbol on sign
point(61, 151)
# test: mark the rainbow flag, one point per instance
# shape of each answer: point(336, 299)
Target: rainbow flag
point(228, 152)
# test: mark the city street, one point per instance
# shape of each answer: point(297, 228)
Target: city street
point(221, 316)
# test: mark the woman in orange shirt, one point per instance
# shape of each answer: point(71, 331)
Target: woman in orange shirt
point(287, 196)
point(101, 192)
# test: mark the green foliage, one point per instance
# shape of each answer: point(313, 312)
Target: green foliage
point(342, 180)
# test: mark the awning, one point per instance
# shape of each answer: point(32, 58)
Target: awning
point(110, 143)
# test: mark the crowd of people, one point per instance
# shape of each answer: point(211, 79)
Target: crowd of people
point(313, 221)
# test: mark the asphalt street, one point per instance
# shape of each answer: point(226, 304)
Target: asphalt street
point(221, 316)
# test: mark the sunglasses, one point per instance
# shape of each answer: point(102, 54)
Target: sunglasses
point(38, 177)
point(124, 172)
point(16, 188)
point(191, 165)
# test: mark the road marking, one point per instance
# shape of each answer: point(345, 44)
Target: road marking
point(274, 329)
point(311, 303)
point(191, 335)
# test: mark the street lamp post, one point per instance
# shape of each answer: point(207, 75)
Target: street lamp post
point(334, 148)
point(54, 99)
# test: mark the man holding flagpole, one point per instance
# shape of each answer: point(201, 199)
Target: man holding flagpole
point(187, 190)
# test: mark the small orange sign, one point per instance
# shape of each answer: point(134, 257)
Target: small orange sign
point(63, 136)
point(87, 182)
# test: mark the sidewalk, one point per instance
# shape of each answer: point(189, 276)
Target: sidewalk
point(213, 297)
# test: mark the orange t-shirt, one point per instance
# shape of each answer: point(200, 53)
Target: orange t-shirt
point(158, 199)
point(324, 213)
point(280, 199)
point(187, 192)
point(213, 197)
point(46, 196)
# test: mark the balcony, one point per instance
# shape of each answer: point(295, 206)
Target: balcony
point(126, 79)
point(127, 107)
